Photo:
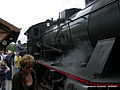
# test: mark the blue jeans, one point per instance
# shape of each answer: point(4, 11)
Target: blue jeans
point(9, 74)
point(3, 85)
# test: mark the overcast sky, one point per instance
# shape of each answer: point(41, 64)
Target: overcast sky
point(25, 13)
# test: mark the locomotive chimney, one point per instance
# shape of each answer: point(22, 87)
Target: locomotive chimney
point(88, 2)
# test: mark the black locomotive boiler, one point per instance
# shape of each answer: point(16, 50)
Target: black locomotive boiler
point(80, 50)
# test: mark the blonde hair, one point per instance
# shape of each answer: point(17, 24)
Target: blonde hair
point(27, 60)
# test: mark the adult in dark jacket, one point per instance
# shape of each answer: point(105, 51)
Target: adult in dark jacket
point(20, 49)
point(9, 64)
point(25, 79)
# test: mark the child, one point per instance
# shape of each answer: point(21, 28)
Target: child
point(3, 70)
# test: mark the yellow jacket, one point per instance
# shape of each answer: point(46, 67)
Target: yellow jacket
point(18, 61)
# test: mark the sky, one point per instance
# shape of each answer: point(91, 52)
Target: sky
point(25, 13)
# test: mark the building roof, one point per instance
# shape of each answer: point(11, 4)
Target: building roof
point(12, 27)
point(7, 29)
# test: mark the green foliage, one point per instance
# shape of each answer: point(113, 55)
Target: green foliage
point(11, 47)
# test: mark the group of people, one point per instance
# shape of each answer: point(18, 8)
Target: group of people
point(24, 77)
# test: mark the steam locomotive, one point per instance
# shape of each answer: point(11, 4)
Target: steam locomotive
point(80, 50)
